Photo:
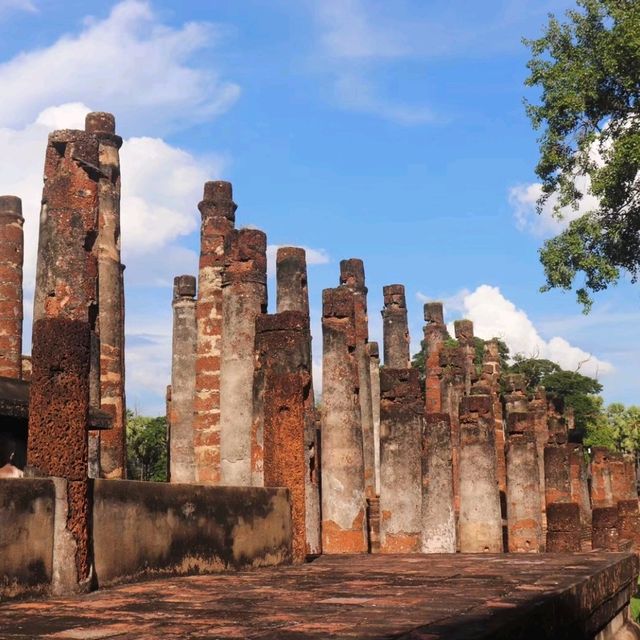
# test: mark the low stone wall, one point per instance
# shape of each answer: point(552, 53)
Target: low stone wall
point(27, 508)
point(145, 529)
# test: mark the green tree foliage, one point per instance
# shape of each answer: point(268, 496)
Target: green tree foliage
point(618, 428)
point(588, 72)
point(146, 448)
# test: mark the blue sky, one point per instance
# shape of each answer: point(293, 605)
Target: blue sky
point(393, 132)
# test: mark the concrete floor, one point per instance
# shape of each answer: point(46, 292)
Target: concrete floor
point(408, 596)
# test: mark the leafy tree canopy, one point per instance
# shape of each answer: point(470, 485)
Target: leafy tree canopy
point(618, 428)
point(587, 69)
point(147, 442)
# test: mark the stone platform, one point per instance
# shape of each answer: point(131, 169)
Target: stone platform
point(401, 596)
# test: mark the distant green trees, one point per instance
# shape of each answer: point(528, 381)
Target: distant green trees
point(147, 447)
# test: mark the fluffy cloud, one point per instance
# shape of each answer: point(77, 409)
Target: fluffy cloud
point(17, 5)
point(128, 63)
point(493, 315)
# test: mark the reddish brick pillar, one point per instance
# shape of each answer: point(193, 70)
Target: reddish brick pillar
point(523, 487)
point(218, 216)
point(480, 524)
point(563, 527)
point(621, 487)
point(435, 333)
point(11, 259)
point(580, 491)
point(556, 422)
point(438, 517)
point(374, 367)
point(605, 535)
point(111, 321)
point(244, 298)
point(352, 276)
point(395, 328)
point(401, 427)
point(464, 335)
point(344, 527)
point(629, 522)
point(65, 312)
point(281, 387)
point(557, 473)
point(601, 485)
point(293, 295)
point(183, 378)
point(538, 411)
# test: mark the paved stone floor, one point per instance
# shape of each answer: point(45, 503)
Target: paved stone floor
point(418, 597)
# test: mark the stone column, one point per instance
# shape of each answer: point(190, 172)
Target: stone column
point(464, 336)
point(480, 525)
point(344, 527)
point(601, 486)
point(629, 522)
point(438, 516)
point(11, 259)
point(281, 388)
point(395, 328)
point(605, 535)
point(401, 426)
point(621, 487)
point(111, 321)
point(218, 217)
point(244, 298)
point(352, 276)
point(538, 412)
point(65, 312)
point(556, 422)
point(563, 527)
point(523, 490)
point(293, 295)
point(557, 473)
point(374, 364)
point(183, 380)
point(435, 333)
point(580, 491)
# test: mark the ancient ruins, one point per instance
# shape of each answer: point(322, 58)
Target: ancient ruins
point(381, 462)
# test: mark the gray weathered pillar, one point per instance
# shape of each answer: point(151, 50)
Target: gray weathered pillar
point(395, 328)
point(374, 364)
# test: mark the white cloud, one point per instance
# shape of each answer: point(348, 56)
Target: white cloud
point(314, 256)
point(17, 5)
point(493, 315)
point(128, 63)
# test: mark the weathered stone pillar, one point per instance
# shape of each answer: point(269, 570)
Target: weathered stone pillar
point(344, 528)
point(111, 320)
point(464, 335)
point(629, 522)
point(523, 488)
point(556, 422)
point(557, 473)
point(435, 333)
point(622, 487)
point(563, 527)
point(281, 388)
point(65, 312)
point(538, 412)
point(438, 516)
point(218, 217)
point(352, 276)
point(374, 364)
point(580, 491)
point(244, 298)
point(293, 295)
point(605, 529)
point(480, 525)
point(395, 328)
point(183, 380)
point(401, 427)
point(11, 259)
point(601, 486)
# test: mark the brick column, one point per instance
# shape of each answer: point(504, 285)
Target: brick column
point(480, 525)
point(281, 388)
point(557, 473)
point(344, 527)
point(111, 321)
point(438, 516)
point(538, 412)
point(605, 535)
point(601, 485)
point(395, 328)
point(580, 491)
point(293, 295)
point(183, 379)
point(11, 259)
point(622, 488)
point(563, 527)
point(352, 276)
point(435, 333)
point(401, 427)
point(374, 365)
point(629, 522)
point(244, 298)
point(218, 216)
point(464, 336)
point(523, 487)
point(65, 312)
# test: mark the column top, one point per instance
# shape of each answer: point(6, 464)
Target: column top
point(393, 295)
point(295, 254)
point(373, 351)
point(10, 206)
point(184, 287)
point(433, 312)
point(100, 122)
point(352, 273)
point(463, 330)
point(217, 199)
